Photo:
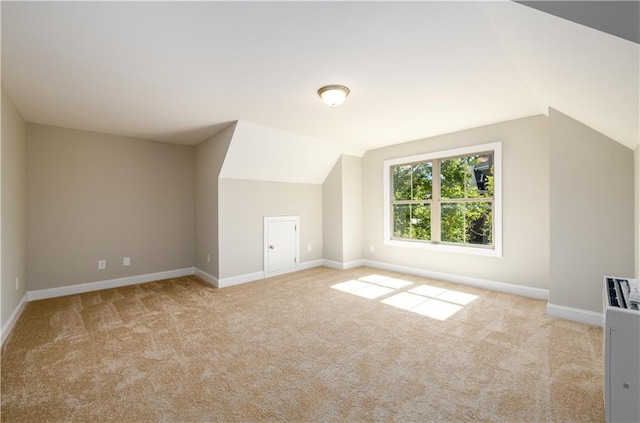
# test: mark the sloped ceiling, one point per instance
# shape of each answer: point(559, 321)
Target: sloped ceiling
point(280, 156)
point(585, 73)
point(179, 71)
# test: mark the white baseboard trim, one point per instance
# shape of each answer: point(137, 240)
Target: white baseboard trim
point(332, 264)
point(251, 277)
point(207, 277)
point(240, 279)
point(42, 294)
point(352, 264)
point(524, 291)
point(13, 319)
point(343, 266)
point(575, 314)
point(310, 264)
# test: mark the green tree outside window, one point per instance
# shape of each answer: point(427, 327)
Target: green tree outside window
point(466, 187)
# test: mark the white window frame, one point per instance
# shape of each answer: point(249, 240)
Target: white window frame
point(496, 250)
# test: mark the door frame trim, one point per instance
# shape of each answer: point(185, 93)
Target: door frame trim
point(267, 220)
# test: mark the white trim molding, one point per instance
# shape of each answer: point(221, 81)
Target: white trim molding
point(13, 319)
point(210, 279)
point(310, 264)
point(343, 266)
point(575, 314)
point(61, 291)
point(332, 264)
point(240, 279)
point(251, 277)
point(524, 291)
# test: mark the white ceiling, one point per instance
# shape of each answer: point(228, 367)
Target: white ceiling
point(178, 71)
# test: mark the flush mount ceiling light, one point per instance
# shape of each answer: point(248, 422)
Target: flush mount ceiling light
point(333, 95)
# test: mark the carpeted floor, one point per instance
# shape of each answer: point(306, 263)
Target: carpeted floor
point(300, 347)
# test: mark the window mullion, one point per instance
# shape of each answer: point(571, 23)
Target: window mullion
point(435, 205)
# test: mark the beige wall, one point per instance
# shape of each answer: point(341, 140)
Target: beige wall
point(243, 206)
point(210, 155)
point(352, 208)
point(332, 214)
point(525, 192)
point(592, 219)
point(94, 196)
point(13, 204)
point(88, 196)
point(342, 211)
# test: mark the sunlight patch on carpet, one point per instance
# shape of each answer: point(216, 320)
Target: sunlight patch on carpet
point(388, 282)
point(437, 309)
point(457, 297)
point(363, 289)
point(430, 301)
point(428, 291)
point(405, 300)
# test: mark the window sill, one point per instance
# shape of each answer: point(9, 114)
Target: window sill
point(490, 252)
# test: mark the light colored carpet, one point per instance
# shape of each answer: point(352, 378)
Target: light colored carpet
point(292, 348)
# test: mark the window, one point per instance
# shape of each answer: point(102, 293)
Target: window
point(449, 200)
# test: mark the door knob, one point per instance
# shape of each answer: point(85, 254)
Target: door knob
point(272, 247)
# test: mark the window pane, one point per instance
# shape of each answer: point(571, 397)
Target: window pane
point(480, 183)
point(452, 177)
point(452, 223)
point(467, 223)
point(421, 222)
point(412, 221)
point(402, 221)
point(422, 181)
point(467, 177)
point(402, 182)
point(478, 223)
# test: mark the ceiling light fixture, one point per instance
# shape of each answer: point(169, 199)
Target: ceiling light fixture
point(333, 95)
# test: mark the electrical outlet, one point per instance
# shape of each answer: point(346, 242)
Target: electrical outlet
point(372, 248)
point(126, 261)
point(309, 248)
point(208, 258)
point(17, 283)
point(102, 264)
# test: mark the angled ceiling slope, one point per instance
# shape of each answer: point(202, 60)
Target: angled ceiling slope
point(266, 154)
point(587, 74)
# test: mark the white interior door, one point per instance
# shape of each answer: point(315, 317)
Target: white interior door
point(281, 244)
